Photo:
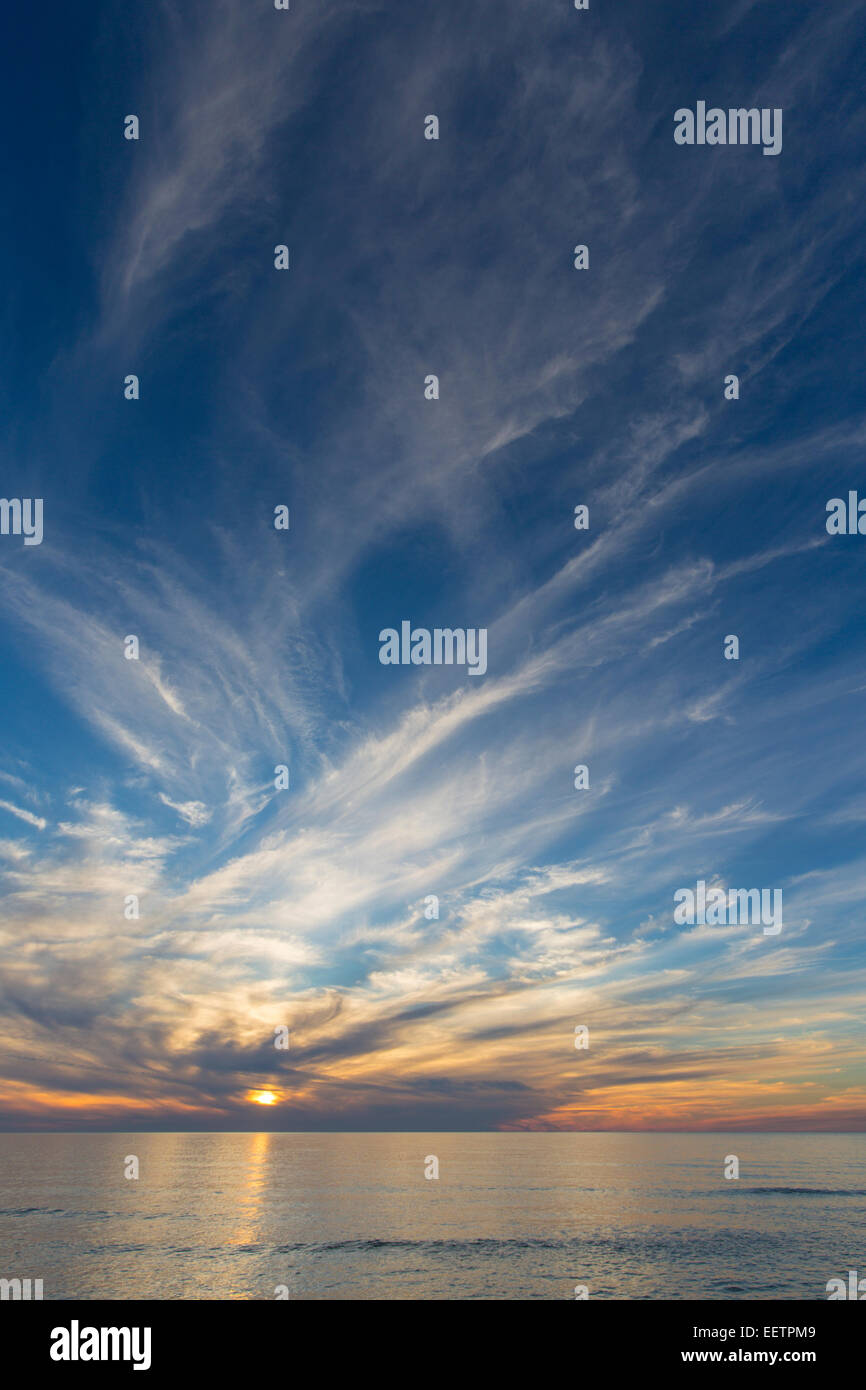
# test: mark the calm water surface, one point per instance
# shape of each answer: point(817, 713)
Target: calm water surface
point(512, 1216)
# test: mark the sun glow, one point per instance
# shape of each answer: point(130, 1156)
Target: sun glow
point(264, 1098)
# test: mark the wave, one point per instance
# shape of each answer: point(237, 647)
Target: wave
point(808, 1191)
point(482, 1244)
point(55, 1211)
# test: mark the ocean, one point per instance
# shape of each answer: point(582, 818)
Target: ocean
point(510, 1216)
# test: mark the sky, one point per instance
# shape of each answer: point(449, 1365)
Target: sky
point(310, 908)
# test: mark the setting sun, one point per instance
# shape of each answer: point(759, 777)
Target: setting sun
point(264, 1098)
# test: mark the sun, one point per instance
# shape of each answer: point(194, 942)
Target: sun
point(264, 1098)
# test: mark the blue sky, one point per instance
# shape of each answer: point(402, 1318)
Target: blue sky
point(605, 387)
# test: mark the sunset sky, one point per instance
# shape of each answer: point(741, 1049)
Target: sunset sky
point(305, 908)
